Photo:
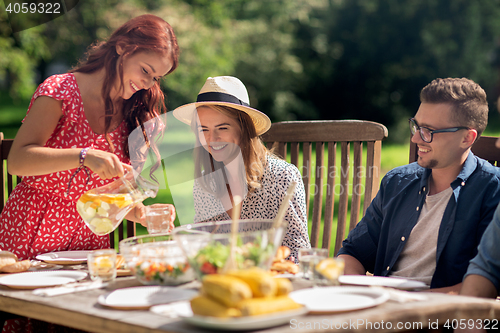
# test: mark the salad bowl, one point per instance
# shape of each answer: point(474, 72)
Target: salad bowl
point(156, 260)
point(207, 245)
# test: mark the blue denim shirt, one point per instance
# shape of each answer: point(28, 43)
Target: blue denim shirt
point(379, 238)
point(487, 261)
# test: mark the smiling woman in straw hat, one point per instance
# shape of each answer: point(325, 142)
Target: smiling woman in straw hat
point(233, 163)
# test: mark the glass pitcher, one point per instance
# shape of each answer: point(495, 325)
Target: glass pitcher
point(104, 208)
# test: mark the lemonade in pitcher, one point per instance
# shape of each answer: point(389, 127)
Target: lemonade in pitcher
point(104, 208)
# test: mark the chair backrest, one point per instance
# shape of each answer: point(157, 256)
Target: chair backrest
point(484, 147)
point(349, 134)
point(8, 183)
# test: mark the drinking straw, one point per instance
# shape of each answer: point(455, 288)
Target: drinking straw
point(235, 216)
point(284, 205)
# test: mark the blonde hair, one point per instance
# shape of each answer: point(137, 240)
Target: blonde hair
point(252, 148)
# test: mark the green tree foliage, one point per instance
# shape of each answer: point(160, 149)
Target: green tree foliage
point(368, 59)
point(19, 55)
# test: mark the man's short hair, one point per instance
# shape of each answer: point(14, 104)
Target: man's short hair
point(467, 99)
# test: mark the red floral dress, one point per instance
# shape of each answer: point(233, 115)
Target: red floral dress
point(39, 216)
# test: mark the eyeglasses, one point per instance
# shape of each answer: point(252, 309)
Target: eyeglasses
point(427, 134)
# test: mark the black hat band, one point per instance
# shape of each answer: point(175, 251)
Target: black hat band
point(220, 97)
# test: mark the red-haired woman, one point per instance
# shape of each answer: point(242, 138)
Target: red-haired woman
point(74, 137)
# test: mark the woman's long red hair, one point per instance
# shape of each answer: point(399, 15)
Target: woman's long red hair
point(143, 33)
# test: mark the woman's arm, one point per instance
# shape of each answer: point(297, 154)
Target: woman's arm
point(29, 157)
point(138, 214)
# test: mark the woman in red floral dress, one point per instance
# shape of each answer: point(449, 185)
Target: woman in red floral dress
point(74, 138)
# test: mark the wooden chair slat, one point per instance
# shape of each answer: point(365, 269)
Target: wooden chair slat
point(343, 195)
point(330, 196)
point(3, 173)
point(294, 153)
point(318, 194)
point(282, 149)
point(306, 171)
point(320, 130)
point(356, 185)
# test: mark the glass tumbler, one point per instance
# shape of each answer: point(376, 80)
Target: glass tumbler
point(102, 264)
point(308, 259)
point(158, 219)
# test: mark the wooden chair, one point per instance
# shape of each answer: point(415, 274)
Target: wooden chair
point(348, 134)
point(9, 181)
point(484, 147)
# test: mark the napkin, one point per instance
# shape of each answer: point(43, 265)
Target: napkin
point(70, 288)
point(402, 296)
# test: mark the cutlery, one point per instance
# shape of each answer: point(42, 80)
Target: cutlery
point(70, 288)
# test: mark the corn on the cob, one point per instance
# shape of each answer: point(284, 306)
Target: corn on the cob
point(262, 305)
point(284, 286)
point(205, 306)
point(227, 290)
point(261, 282)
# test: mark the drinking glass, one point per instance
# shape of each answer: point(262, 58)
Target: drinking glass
point(327, 272)
point(308, 258)
point(158, 219)
point(102, 264)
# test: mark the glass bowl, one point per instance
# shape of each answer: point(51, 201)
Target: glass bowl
point(207, 245)
point(156, 260)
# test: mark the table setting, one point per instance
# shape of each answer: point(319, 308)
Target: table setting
point(168, 308)
point(166, 277)
point(225, 276)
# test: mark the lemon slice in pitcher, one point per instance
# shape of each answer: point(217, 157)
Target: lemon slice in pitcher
point(102, 226)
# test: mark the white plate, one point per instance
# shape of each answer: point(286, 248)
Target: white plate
point(339, 299)
point(246, 323)
point(393, 282)
point(144, 297)
point(173, 310)
point(64, 257)
point(33, 280)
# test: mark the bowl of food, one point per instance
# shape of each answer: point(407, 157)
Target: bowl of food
point(156, 260)
point(207, 245)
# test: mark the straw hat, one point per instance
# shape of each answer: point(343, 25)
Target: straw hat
point(226, 91)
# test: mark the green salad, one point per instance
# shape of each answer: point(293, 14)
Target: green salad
point(213, 256)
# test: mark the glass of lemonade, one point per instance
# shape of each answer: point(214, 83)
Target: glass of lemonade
point(308, 259)
point(102, 264)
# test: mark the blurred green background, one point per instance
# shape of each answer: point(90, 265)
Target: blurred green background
point(299, 59)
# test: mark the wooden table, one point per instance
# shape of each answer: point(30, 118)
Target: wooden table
point(81, 310)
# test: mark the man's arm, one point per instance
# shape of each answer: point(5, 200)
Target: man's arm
point(479, 286)
point(352, 265)
point(446, 290)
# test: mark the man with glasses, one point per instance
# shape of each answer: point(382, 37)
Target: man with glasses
point(428, 217)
